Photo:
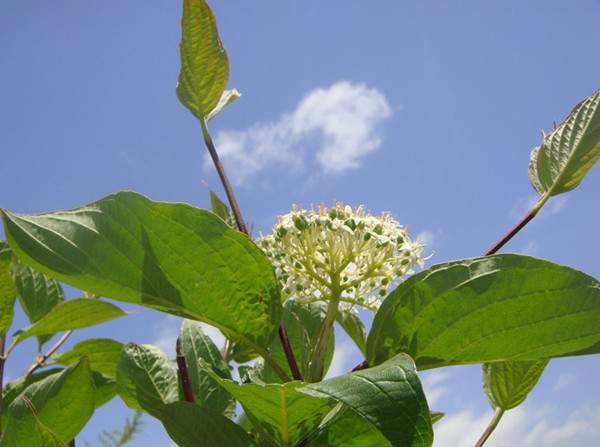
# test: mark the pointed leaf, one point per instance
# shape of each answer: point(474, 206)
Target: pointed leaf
point(7, 290)
point(190, 425)
point(507, 384)
point(37, 293)
point(278, 409)
point(198, 350)
point(72, 314)
point(170, 257)
point(227, 98)
point(355, 328)
point(62, 402)
point(569, 152)
point(145, 379)
point(221, 209)
point(389, 396)
point(204, 64)
point(494, 308)
point(102, 353)
point(302, 323)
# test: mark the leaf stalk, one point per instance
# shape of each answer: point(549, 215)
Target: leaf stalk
point(498, 413)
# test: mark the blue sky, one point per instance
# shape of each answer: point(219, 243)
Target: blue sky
point(453, 96)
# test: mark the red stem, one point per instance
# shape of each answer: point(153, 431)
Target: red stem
point(235, 209)
point(184, 375)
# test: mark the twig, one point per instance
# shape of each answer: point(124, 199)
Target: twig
point(511, 233)
point(289, 353)
point(184, 375)
point(2, 360)
point(235, 209)
point(237, 214)
point(41, 360)
point(491, 426)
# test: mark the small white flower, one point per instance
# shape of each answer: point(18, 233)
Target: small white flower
point(340, 252)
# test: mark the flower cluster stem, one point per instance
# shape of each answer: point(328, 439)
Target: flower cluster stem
point(235, 209)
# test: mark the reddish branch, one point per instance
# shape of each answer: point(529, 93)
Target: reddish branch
point(235, 209)
point(41, 360)
point(184, 375)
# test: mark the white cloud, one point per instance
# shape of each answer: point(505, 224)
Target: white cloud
point(531, 249)
point(167, 331)
point(334, 127)
point(563, 381)
point(432, 385)
point(344, 358)
point(524, 426)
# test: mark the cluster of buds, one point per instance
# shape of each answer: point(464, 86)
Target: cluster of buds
point(340, 252)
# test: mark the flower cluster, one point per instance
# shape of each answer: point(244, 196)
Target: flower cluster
point(341, 253)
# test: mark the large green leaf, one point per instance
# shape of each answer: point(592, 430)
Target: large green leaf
point(171, 257)
point(103, 354)
point(279, 410)
point(495, 308)
point(146, 380)
point(7, 290)
point(72, 314)
point(190, 425)
point(204, 64)
point(105, 388)
point(62, 402)
point(389, 396)
point(507, 384)
point(568, 152)
point(38, 294)
point(198, 350)
point(354, 327)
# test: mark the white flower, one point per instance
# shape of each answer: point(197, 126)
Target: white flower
point(340, 252)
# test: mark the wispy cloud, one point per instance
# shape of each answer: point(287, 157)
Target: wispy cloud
point(563, 381)
point(525, 426)
point(333, 127)
point(523, 204)
point(433, 385)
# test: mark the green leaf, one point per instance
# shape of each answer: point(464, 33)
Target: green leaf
point(221, 209)
point(354, 327)
point(46, 437)
point(13, 389)
point(198, 350)
point(494, 308)
point(37, 293)
point(62, 402)
point(170, 257)
point(190, 425)
point(278, 409)
point(436, 416)
point(348, 429)
point(204, 64)
point(72, 314)
point(507, 384)
point(302, 323)
point(102, 353)
point(227, 98)
point(7, 290)
point(389, 396)
point(569, 152)
point(105, 388)
point(145, 379)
